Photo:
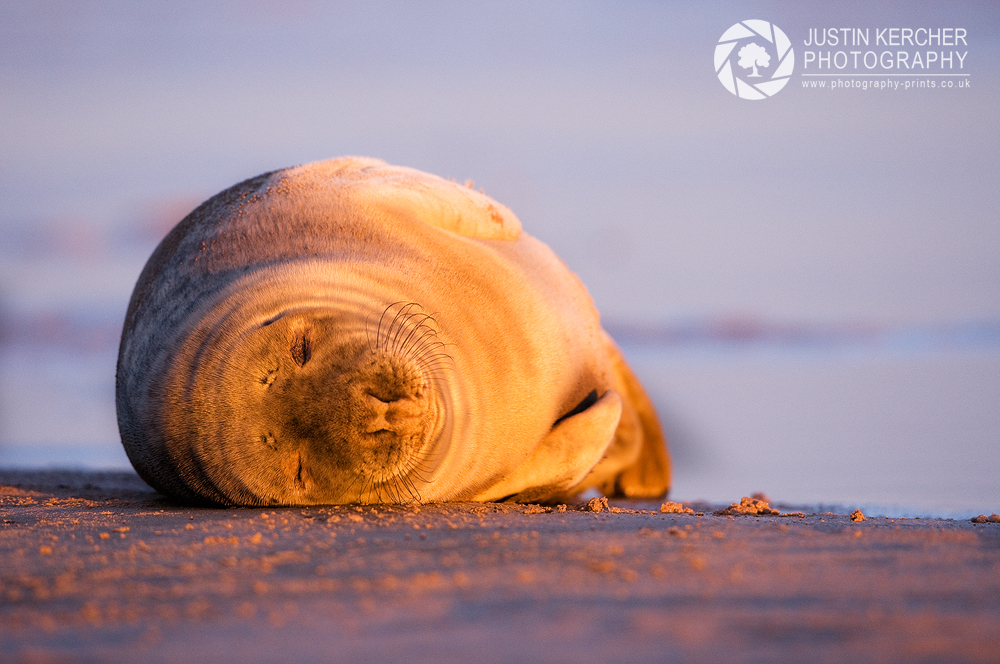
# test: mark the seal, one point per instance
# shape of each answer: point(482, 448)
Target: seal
point(352, 332)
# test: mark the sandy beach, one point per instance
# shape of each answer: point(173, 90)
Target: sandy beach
point(99, 568)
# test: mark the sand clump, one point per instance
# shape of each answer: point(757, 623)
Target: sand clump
point(982, 518)
point(857, 515)
point(675, 508)
point(748, 507)
point(598, 505)
point(601, 505)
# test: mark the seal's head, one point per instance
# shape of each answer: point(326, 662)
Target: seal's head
point(321, 406)
point(352, 417)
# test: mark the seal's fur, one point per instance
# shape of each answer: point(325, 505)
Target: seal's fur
point(348, 331)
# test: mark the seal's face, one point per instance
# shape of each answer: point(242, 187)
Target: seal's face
point(353, 419)
point(341, 412)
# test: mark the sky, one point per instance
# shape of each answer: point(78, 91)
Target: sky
point(604, 128)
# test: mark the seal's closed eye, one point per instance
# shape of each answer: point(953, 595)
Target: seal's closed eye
point(301, 349)
point(587, 402)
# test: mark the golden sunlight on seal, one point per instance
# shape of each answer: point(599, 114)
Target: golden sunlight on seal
point(353, 332)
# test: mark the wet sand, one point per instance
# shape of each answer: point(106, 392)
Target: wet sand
point(99, 568)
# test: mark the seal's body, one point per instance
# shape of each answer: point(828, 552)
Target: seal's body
point(348, 331)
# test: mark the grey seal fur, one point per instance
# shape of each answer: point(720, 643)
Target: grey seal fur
point(352, 332)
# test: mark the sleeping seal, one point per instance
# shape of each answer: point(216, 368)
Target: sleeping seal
point(353, 332)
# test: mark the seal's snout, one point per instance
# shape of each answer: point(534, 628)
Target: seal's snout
point(398, 416)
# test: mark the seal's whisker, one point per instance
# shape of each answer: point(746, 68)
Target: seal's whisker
point(368, 333)
point(404, 323)
point(428, 344)
point(399, 486)
point(440, 360)
point(378, 333)
point(355, 496)
point(416, 472)
point(403, 490)
point(428, 361)
point(403, 306)
point(430, 451)
point(430, 337)
point(415, 328)
point(422, 460)
point(438, 371)
point(428, 354)
point(390, 490)
point(362, 489)
point(382, 486)
point(422, 465)
point(370, 491)
point(435, 382)
point(401, 316)
point(429, 358)
point(437, 375)
point(346, 488)
point(420, 356)
point(402, 482)
point(427, 336)
point(433, 363)
point(411, 489)
point(402, 485)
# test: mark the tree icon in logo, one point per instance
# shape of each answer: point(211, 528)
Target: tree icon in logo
point(748, 45)
point(754, 55)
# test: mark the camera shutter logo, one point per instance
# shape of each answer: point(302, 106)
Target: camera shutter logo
point(754, 59)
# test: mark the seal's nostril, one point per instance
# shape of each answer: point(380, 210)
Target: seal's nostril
point(403, 409)
point(392, 416)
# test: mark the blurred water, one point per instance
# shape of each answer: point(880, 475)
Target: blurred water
point(809, 285)
point(875, 427)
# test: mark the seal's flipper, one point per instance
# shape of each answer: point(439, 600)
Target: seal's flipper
point(565, 455)
point(636, 463)
point(649, 475)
